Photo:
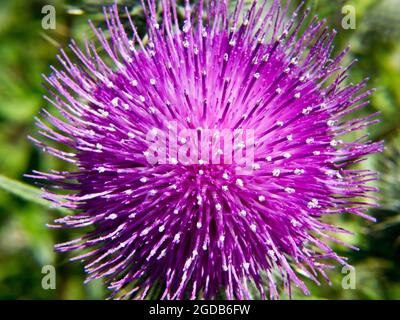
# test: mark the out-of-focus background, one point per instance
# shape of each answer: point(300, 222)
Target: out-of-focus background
point(27, 50)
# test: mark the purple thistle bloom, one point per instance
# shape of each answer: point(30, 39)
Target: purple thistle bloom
point(207, 229)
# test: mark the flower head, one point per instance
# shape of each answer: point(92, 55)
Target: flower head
point(207, 157)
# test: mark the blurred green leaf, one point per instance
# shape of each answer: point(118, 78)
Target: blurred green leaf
point(26, 192)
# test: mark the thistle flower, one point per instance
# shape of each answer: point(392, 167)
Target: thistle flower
point(206, 228)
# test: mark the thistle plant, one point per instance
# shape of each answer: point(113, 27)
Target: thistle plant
point(199, 222)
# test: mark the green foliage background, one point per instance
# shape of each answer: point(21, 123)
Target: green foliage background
point(27, 50)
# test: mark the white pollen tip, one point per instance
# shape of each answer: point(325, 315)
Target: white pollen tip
point(271, 253)
point(313, 204)
point(276, 172)
point(331, 123)
point(177, 238)
point(294, 222)
point(239, 182)
point(112, 216)
point(298, 171)
point(290, 190)
point(256, 166)
point(115, 101)
point(333, 143)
